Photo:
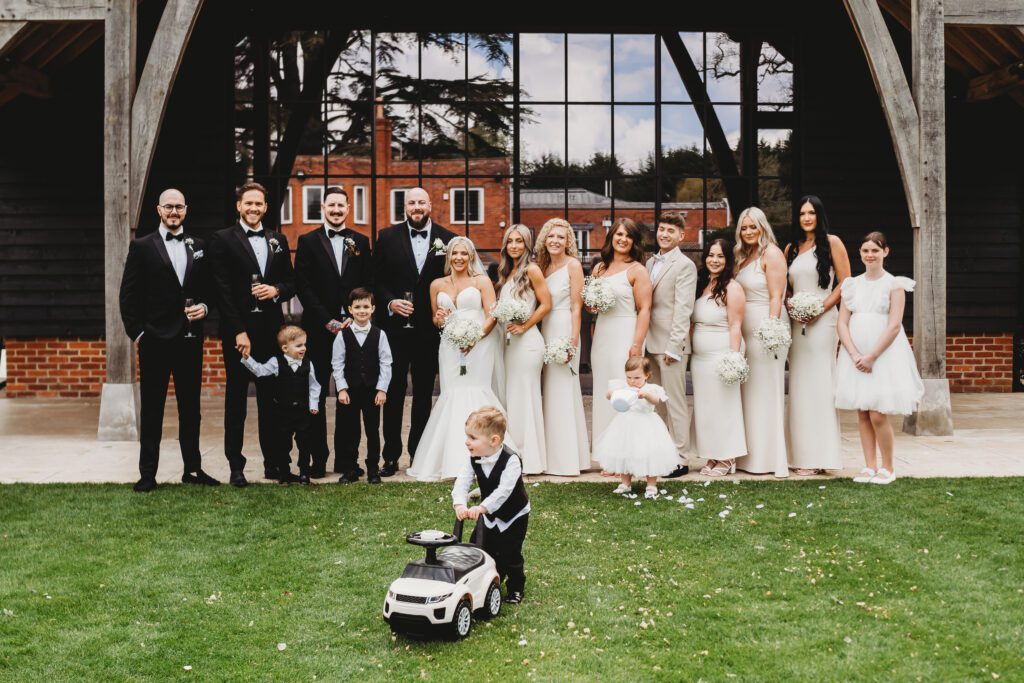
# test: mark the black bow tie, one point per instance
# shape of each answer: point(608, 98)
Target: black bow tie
point(418, 233)
point(254, 233)
point(335, 233)
point(171, 236)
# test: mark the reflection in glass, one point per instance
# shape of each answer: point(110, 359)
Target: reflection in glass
point(243, 126)
point(403, 120)
point(682, 141)
point(729, 118)
point(589, 68)
point(292, 59)
point(442, 132)
point(349, 77)
point(542, 68)
point(347, 131)
point(774, 153)
point(775, 197)
point(723, 68)
point(590, 134)
point(397, 65)
point(244, 77)
point(301, 119)
point(774, 77)
point(444, 57)
point(490, 67)
point(672, 88)
point(634, 138)
point(489, 129)
point(634, 68)
point(542, 137)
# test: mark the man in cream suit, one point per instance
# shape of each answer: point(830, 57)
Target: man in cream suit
point(668, 339)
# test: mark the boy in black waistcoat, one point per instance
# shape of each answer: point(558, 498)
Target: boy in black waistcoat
point(361, 361)
point(505, 509)
point(296, 396)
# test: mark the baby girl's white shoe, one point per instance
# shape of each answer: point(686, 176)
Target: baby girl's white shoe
point(884, 476)
point(866, 475)
point(651, 492)
point(622, 488)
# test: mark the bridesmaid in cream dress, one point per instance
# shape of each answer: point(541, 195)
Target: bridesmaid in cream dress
point(565, 424)
point(818, 263)
point(761, 271)
point(717, 329)
point(619, 333)
point(520, 278)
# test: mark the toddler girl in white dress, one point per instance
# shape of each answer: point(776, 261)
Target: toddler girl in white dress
point(636, 442)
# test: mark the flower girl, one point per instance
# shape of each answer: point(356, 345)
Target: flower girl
point(876, 374)
point(636, 442)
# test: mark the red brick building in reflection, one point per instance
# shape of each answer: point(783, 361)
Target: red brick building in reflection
point(482, 209)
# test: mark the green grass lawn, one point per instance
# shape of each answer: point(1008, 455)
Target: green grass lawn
point(864, 582)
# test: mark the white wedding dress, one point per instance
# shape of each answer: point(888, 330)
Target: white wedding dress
point(441, 453)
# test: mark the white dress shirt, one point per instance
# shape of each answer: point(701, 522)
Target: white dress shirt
point(259, 245)
point(420, 245)
point(176, 251)
point(338, 245)
point(383, 355)
point(512, 473)
point(269, 369)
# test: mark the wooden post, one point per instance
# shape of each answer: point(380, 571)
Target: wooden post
point(934, 416)
point(119, 404)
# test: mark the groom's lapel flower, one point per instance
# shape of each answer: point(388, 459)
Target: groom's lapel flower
point(438, 247)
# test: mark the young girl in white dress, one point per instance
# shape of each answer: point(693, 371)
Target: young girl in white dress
point(876, 374)
point(636, 442)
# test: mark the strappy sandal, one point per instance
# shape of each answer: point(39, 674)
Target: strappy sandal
point(708, 466)
point(722, 468)
point(806, 471)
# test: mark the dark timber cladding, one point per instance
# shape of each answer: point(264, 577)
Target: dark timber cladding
point(51, 196)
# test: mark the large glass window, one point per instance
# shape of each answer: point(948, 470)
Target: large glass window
point(519, 127)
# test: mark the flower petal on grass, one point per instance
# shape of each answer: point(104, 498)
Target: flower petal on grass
point(759, 506)
point(792, 514)
point(281, 647)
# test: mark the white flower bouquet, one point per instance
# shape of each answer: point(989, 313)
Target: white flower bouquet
point(510, 310)
point(733, 368)
point(560, 352)
point(598, 294)
point(804, 306)
point(461, 334)
point(773, 334)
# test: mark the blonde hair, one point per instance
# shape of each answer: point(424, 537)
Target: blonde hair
point(543, 257)
point(475, 266)
point(488, 420)
point(639, 363)
point(741, 251)
point(289, 333)
point(508, 270)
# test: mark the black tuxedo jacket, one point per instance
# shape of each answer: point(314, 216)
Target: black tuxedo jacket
point(322, 290)
point(152, 299)
point(233, 263)
point(394, 268)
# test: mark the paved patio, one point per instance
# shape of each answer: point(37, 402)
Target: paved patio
point(54, 440)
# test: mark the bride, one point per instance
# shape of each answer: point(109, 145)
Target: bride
point(465, 291)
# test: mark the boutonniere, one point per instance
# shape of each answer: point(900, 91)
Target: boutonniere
point(196, 255)
point(189, 242)
point(350, 247)
point(275, 245)
point(438, 247)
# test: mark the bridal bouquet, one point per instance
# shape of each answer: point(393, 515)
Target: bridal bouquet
point(510, 310)
point(598, 294)
point(560, 352)
point(461, 333)
point(773, 334)
point(733, 368)
point(804, 306)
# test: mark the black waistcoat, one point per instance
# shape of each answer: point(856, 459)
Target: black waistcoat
point(362, 363)
point(517, 500)
point(291, 389)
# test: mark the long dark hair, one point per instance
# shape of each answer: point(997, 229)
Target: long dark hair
point(822, 247)
point(636, 253)
point(718, 292)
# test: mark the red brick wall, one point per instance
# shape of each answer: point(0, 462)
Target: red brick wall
point(74, 368)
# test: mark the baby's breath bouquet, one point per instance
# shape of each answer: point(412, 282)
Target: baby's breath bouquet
point(461, 334)
point(773, 335)
point(804, 306)
point(598, 294)
point(733, 368)
point(510, 310)
point(560, 352)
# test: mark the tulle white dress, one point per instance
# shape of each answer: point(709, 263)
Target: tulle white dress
point(894, 385)
point(613, 335)
point(637, 441)
point(565, 424)
point(524, 361)
point(441, 453)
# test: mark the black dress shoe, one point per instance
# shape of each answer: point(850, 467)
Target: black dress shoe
point(304, 479)
point(359, 471)
point(286, 477)
point(514, 598)
point(199, 477)
point(678, 472)
point(390, 469)
point(373, 478)
point(349, 477)
point(238, 479)
point(318, 473)
point(144, 485)
point(269, 473)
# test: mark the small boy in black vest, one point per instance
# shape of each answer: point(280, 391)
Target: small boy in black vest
point(505, 509)
point(296, 397)
point(361, 362)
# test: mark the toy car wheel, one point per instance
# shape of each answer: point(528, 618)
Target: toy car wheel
point(492, 603)
point(462, 620)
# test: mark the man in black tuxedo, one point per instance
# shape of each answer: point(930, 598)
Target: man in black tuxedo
point(252, 276)
point(166, 270)
point(407, 257)
point(330, 262)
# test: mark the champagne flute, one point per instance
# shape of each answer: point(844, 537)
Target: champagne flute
point(255, 302)
point(408, 321)
point(189, 303)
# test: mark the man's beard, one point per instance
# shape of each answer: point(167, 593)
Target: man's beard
point(420, 224)
point(330, 221)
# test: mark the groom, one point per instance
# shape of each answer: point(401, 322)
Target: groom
point(407, 257)
point(674, 278)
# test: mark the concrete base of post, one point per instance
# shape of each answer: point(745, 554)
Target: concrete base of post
point(934, 416)
point(120, 413)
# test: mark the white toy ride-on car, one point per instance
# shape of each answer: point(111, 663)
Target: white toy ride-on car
point(443, 591)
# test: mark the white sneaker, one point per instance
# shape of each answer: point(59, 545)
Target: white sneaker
point(651, 493)
point(884, 476)
point(865, 476)
point(621, 489)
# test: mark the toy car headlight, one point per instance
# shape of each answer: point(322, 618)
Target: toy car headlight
point(391, 594)
point(437, 599)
